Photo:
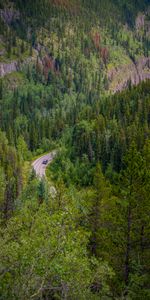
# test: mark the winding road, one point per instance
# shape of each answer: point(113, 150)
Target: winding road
point(38, 165)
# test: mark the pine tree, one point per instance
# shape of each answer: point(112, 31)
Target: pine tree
point(1, 89)
point(102, 191)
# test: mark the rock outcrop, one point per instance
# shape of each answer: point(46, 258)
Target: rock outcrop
point(14, 66)
point(120, 78)
point(8, 68)
point(140, 21)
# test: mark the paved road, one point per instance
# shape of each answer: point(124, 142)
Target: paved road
point(38, 165)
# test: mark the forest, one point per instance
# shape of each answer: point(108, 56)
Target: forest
point(75, 78)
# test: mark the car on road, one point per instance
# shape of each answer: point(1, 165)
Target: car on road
point(45, 162)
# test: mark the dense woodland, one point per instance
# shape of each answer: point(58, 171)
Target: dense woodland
point(84, 231)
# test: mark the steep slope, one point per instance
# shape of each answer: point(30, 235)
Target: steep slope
point(110, 38)
point(131, 74)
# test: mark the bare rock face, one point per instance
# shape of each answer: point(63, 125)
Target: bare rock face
point(15, 66)
point(8, 68)
point(140, 21)
point(134, 73)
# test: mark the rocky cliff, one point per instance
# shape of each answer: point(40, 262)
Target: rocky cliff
point(121, 77)
point(8, 68)
point(14, 66)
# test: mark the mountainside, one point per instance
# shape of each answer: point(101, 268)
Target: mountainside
point(75, 150)
point(103, 37)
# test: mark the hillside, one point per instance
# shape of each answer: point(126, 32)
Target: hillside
point(111, 40)
point(75, 82)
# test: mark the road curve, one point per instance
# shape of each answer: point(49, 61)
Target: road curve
point(38, 165)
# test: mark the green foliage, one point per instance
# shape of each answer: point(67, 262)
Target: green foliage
point(10, 177)
point(48, 257)
point(83, 233)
